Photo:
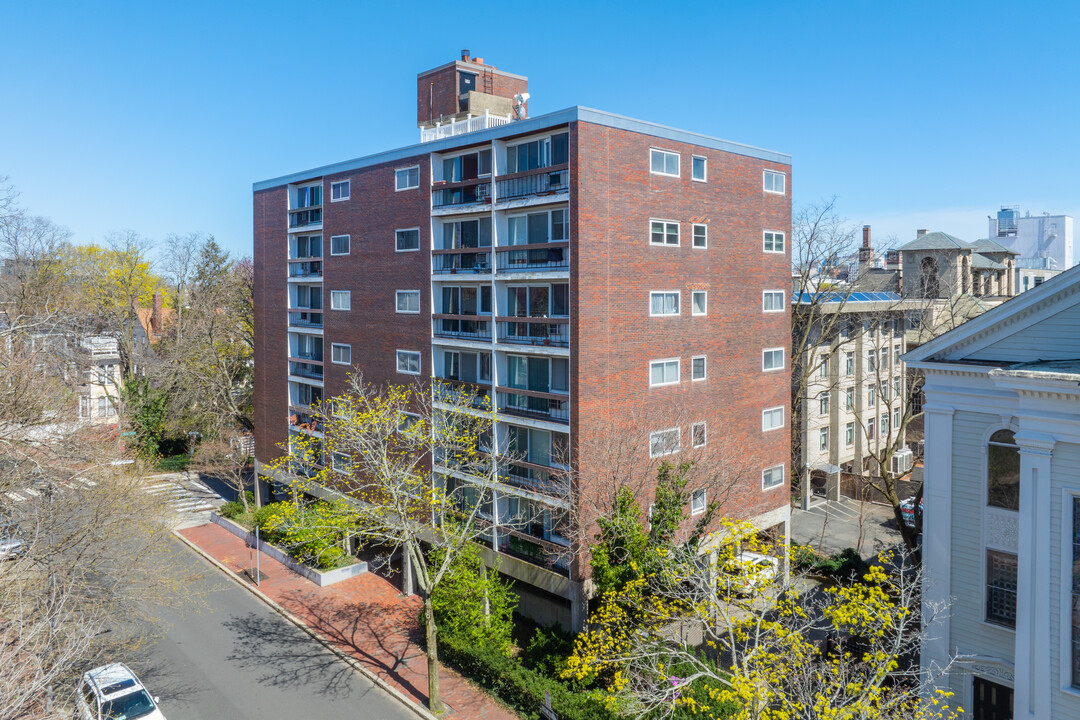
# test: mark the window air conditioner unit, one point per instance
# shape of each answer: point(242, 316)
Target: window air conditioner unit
point(902, 461)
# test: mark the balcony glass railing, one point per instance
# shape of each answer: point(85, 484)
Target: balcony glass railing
point(525, 544)
point(462, 326)
point(306, 318)
point(539, 182)
point(535, 331)
point(542, 256)
point(535, 404)
point(461, 262)
point(305, 269)
point(307, 216)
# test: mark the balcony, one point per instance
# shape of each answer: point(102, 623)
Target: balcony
point(305, 269)
point(467, 192)
point(459, 127)
point(479, 392)
point(527, 546)
point(534, 331)
point(308, 370)
point(302, 418)
point(554, 482)
point(539, 256)
point(305, 216)
point(532, 183)
point(534, 404)
point(305, 317)
point(460, 260)
point(470, 327)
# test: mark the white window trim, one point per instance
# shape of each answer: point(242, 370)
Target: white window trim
point(678, 232)
point(347, 237)
point(1068, 494)
point(412, 187)
point(345, 459)
point(340, 182)
point(678, 293)
point(694, 226)
point(398, 294)
point(397, 361)
point(783, 420)
point(783, 354)
point(700, 157)
point(678, 441)
point(668, 152)
point(705, 360)
point(348, 300)
point(783, 297)
point(678, 371)
point(693, 426)
point(777, 485)
point(823, 434)
point(340, 345)
point(415, 249)
point(694, 312)
point(694, 509)
point(774, 232)
point(774, 172)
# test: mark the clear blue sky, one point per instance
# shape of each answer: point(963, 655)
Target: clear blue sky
point(157, 117)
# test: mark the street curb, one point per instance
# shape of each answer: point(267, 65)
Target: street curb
point(397, 694)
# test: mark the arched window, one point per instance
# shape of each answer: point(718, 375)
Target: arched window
point(928, 277)
point(1003, 471)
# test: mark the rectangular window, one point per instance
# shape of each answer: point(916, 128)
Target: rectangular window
point(407, 178)
point(408, 362)
point(697, 502)
point(339, 191)
point(697, 433)
point(849, 399)
point(823, 439)
point(664, 372)
point(772, 301)
point(849, 364)
point(774, 241)
point(896, 418)
point(663, 303)
point(849, 434)
point(340, 462)
point(772, 359)
point(884, 358)
point(1001, 588)
point(341, 354)
point(896, 356)
point(823, 368)
point(823, 403)
point(407, 240)
point(698, 368)
point(772, 477)
point(701, 235)
point(870, 429)
point(773, 182)
point(663, 232)
point(885, 425)
point(871, 361)
point(772, 418)
point(664, 442)
point(699, 302)
point(340, 300)
point(339, 245)
point(698, 169)
point(408, 301)
point(871, 396)
point(663, 162)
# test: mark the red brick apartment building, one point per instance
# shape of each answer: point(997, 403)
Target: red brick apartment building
point(583, 268)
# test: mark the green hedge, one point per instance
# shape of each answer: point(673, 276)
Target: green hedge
point(517, 686)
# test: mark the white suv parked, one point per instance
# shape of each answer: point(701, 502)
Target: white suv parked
point(112, 692)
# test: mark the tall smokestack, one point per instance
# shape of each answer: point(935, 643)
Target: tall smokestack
point(866, 236)
point(866, 253)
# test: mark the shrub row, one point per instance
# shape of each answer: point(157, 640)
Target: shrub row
point(517, 686)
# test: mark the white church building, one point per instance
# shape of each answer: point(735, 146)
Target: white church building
point(1001, 520)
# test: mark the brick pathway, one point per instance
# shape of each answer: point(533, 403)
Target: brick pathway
point(364, 616)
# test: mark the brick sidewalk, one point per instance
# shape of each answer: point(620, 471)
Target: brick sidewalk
point(364, 617)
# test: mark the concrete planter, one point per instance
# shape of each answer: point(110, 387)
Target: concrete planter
point(322, 578)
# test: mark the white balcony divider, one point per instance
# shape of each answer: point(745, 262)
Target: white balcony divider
point(460, 127)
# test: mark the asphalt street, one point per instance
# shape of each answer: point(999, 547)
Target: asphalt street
point(234, 658)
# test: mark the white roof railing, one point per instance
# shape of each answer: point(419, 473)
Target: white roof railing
point(460, 127)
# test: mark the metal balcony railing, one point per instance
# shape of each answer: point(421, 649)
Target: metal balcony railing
point(455, 261)
point(541, 256)
point(535, 404)
point(305, 269)
point(306, 318)
point(306, 216)
point(542, 479)
point(462, 326)
point(545, 181)
point(306, 370)
point(479, 392)
point(535, 331)
point(303, 419)
point(475, 192)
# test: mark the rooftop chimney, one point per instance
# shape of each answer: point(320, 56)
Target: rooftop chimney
point(155, 316)
point(920, 233)
point(866, 236)
point(467, 89)
point(866, 253)
point(465, 56)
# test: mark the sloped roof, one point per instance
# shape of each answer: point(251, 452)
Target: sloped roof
point(988, 245)
point(936, 241)
point(981, 262)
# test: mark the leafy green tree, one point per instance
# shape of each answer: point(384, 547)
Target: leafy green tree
point(147, 413)
point(473, 604)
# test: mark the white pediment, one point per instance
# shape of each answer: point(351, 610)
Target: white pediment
point(1040, 324)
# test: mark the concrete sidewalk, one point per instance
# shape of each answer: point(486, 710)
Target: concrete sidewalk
point(364, 617)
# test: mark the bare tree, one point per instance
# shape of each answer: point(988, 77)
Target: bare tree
point(179, 266)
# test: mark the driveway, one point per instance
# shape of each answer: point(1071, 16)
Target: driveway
point(833, 525)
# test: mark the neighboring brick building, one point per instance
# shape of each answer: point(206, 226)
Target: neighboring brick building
point(586, 270)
